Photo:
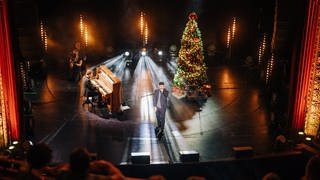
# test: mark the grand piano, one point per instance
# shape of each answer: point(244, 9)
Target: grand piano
point(109, 86)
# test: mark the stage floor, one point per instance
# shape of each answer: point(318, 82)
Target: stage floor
point(235, 115)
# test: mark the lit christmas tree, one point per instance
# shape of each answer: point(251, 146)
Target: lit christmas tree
point(191, 69)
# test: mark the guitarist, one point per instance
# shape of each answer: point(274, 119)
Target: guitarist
point(76, 66)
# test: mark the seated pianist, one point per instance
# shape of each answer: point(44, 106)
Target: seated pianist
point(89, 91)
point(108, 86)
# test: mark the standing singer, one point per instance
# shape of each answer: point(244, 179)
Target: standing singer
point(160, 96)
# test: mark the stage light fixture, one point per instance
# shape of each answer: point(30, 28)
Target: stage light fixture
point(140, 157)
point(189, 156)
point(127, 53)
point(26, 145)
point(143, 53)
point(160, 53)
point(308, 138)
point(301, 133)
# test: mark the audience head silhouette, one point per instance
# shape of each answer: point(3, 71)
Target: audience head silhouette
point(39, 155)
point(79, 161)
point(271, 176)
point(312, 171)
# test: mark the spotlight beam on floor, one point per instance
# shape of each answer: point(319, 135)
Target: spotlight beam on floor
point(112, 61)
point(157, 74)
point(144, 140)
point(172, 65)
point(146, 77)
point(120, 68)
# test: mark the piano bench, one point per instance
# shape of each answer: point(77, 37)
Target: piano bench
point(89, 101)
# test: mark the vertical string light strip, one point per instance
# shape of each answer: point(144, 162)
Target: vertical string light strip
point(45, 41)
point(262, 48)
point(233, 27)
point(228, 37)
point(86, 35)
point(81, 28)
point(144, 29)
point(142, 25)
point(270, 68)
point(3, 119)
point(231, 36)
point(23, 76)
point(312, 119)
point(271, 61)
point(43, 34)
point(146, 34)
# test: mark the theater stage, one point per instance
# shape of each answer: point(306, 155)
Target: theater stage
point(235, 115)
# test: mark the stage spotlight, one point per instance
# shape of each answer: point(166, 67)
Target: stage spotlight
point(30, 142)
point(160, 53)
point(189, 156)
point(26, 145)
point(15, 142)
point(143, 53)
point(140, 157)
point(127, 53)
point(308, 138)
point(11, 147)
point(301, 133)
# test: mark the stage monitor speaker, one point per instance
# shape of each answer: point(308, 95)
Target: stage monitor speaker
point(189, 156)
point(242, 151)
point(140, 157)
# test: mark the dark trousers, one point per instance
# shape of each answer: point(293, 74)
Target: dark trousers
point(76, 74)
point(160, 114)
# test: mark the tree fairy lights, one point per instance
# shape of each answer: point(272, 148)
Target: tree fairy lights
point(191, 69)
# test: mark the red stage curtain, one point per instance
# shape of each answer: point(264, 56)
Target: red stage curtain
point(300, 84)
point(8, 74)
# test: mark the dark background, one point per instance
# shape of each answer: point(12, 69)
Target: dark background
point(115, 23)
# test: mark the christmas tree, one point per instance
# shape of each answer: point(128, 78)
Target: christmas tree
point(191, 69)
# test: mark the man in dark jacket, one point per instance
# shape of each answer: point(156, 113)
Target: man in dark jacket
point(160, 105)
